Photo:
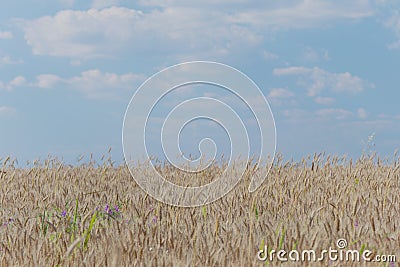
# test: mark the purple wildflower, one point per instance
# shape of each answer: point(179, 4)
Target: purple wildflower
point(155, 219)
point(116, 208)
point(356, 224)
point(107, 209)
point(63, 213)
point(10, 221)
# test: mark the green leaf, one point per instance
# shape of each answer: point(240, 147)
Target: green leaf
point(256, 211)
point(89, 230)
point(362, 248)
point(282, 237)
point(204, 211)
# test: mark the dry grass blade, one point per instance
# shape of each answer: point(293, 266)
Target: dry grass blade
point(72, 247)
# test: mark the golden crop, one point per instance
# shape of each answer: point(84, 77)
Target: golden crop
point(95, 215)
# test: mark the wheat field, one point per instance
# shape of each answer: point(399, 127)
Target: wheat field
point(94, 214)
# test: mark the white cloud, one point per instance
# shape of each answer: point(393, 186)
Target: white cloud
point(18, 81)
point(335, 113)
point(93, 83)
point(185, 29)
point(291, 71)
point(68, 3)
point(197, 4)
point(312, 55)
point(280, 93)
point(7, 111)
point(269, 56)
point(297, 114)
point(7, 60)
point(324, 114)
point(280, 96)
point(346, 82)
point(316, 80)
point(303, 14)
point(6, 35)
point(93, 33)
point(82, 33)
point(362, 113)
point(393, 23)
point(99, 4)
point(324, 100)
point(47, 81)
point(394, 45)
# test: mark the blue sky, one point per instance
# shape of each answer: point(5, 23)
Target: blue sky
point(329, 69)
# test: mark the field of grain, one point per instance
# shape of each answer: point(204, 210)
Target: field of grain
point(94, 214)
